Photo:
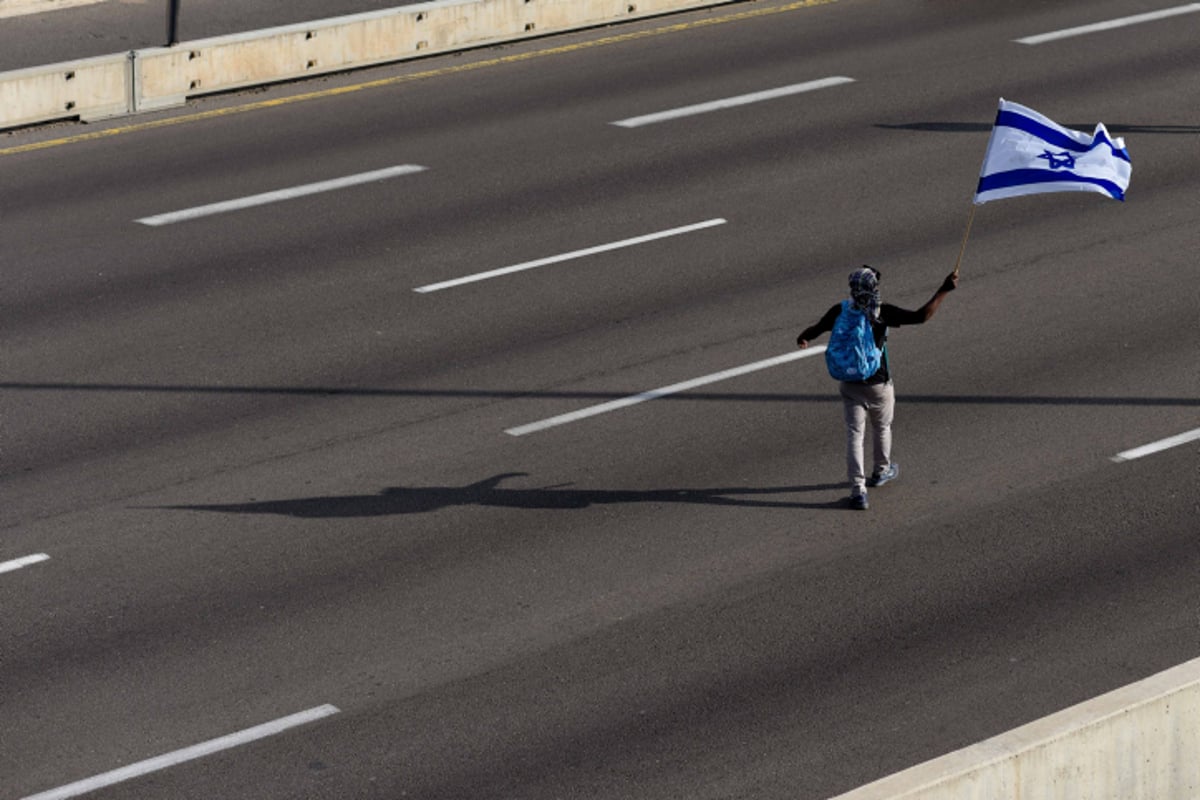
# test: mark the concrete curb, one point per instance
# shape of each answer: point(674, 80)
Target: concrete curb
point(162, 77)
point(1140, 742)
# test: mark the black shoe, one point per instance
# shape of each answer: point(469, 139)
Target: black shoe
point(859, 501)
point(883, 476)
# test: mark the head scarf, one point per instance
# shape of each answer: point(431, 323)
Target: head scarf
point(864, 290)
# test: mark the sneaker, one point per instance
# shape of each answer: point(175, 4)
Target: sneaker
point(859, 501)
point(883, 476)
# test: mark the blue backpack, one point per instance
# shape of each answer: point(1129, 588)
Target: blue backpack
point(852, 354)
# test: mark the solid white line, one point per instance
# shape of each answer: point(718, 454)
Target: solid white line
point(541, 262)
point(281, 194)
point(187, 754)
point(1110, 24)
point(9, 566)
point(675, 388)
point(730, 102)
point(1155, 447)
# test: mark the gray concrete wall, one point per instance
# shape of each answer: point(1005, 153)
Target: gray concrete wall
point(1140, 742)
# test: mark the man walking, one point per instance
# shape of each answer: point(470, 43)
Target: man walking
point(872, 398)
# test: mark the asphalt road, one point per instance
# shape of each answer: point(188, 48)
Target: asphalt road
point(269, 476)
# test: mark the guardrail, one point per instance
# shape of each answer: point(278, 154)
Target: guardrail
point(161, 77)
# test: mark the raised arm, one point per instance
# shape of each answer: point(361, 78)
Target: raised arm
point(930, 308)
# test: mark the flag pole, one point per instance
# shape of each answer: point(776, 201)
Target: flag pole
point(966, 233)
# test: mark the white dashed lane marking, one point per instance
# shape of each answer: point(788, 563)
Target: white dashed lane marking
point(675, 388)
point(1121, 22)
point(187, 754)
point(280, 195)
point(542, 262)
point(732, 102)
point(18, 563)
point(1159, 446)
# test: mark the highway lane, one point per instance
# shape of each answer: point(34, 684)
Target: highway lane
point(729, 693)
point(548, 195)
point(271, 506)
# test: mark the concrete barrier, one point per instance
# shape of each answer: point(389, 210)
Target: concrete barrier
point(91, 88)
point(166, 76)
point(161, 77)
point(1140, 742)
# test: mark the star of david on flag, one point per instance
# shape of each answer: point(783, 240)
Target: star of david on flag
point(1030, 154)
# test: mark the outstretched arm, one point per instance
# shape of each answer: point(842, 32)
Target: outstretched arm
point(824, 325)
point(930, 308)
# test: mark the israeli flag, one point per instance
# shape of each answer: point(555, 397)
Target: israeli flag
point(1030, 154)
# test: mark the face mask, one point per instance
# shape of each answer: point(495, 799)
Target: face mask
point(864, 290)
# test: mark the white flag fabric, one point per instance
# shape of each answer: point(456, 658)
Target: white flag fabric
point(1030, 154)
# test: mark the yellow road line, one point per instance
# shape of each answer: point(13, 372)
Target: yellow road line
point(416, 76)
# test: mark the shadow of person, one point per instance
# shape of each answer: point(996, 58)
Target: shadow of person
point(397, 500)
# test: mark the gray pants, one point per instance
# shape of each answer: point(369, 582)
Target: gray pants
point(860, 403)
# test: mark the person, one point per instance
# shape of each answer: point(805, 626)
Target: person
point(872, 399)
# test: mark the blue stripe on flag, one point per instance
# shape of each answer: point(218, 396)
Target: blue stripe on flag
point(1018, 177)
point(1012, 119)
